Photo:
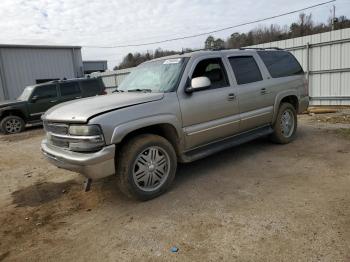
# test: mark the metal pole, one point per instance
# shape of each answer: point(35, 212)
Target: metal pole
point(333, 18)
point(308, 60)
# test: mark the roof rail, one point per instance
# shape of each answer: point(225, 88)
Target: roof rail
point(260, 48)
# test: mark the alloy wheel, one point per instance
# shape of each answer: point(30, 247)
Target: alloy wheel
point(287, 123)
point(151, 168)
point(13, 126)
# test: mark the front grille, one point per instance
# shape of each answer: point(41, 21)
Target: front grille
point(56, 128)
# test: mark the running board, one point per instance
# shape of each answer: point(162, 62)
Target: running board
point(218, 146)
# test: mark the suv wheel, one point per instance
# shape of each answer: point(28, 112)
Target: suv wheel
point(12, 124)
point(146, 166)
point(285, 126)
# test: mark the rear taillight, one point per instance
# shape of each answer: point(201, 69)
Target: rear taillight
point(104, 92)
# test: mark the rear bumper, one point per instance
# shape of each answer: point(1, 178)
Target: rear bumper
point(92, 165)
point(303, 104)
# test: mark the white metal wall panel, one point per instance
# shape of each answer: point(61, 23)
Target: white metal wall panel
point(23, 66)
point(331, 56)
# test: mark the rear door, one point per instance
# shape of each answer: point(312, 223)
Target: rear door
point(254, 95)
point(42, 98)
point(69, 91)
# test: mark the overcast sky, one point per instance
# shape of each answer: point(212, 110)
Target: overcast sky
point(106, 23)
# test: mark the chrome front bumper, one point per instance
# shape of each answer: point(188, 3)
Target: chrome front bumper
point(92, 165)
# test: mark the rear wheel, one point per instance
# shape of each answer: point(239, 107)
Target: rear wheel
point(285, 126)
point(12, 124)
point(146, 166)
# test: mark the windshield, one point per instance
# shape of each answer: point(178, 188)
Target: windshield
point(156, 76)
point(26, 93)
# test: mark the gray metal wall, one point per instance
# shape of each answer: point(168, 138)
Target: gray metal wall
point(2, 95)
point(21, 66)
point(325, 58)
point(94, 66)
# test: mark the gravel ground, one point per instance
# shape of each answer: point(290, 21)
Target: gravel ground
point(256, 202)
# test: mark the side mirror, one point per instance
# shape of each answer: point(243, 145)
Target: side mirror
point(198, 83)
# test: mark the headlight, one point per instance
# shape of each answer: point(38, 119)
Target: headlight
point(84, 130)
point(85, 138)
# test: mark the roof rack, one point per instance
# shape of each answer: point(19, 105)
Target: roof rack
point(260, 48)
point(200, 49)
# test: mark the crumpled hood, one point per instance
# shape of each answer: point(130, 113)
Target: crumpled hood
point(83, 109)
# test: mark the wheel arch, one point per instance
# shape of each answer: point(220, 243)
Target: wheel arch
point(290, 96)
point(170, 130)
point(12, 112)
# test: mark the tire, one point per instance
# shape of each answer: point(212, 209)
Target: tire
point(146, 166)
point(12, 125)
point(282, 134)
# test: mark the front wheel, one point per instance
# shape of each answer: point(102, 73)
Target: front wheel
point(12, 124)
point(146, 166)
point(285, 126)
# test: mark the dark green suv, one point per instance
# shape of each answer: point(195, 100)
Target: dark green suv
point(35, 100)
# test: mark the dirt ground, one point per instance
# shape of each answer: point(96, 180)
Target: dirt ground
point(256, 202)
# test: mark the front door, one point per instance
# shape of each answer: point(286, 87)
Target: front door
point(42, 98)
point(209, 114)
point(255, 97)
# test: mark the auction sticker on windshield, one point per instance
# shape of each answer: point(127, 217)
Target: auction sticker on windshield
point(172, 61)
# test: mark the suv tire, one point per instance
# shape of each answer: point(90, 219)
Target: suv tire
point(12, 125)
point(285, 126)
point(146, 166)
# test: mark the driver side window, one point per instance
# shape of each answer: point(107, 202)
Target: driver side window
point(47, 91)
point(214, 69)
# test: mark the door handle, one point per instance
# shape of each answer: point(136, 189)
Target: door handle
point(231, 96)
point(78, 97)
point(53, 101)
point(263, 91)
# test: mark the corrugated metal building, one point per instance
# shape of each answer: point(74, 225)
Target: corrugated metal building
point(94, 66)
point(23, 65)
point(325, 58)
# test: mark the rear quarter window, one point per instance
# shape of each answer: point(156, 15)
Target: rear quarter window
point(280, 63)
point(91, 87)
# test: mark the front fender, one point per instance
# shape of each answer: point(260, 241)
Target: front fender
point(21, 110)
point(122, 130)
point(279, 98)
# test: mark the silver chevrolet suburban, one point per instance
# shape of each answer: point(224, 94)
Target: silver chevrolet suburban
point(177, 109)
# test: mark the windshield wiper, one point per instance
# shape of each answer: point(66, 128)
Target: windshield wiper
point(141, 90)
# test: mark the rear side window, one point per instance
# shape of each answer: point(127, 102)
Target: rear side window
point(280, 63)
point(91, 87)
point(245, 69)
point(69, 89)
